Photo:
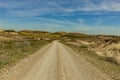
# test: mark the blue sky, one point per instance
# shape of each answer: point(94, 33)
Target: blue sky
point(85, 16)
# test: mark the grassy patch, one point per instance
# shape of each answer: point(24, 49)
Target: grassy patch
point(12, 51)
point(107, 65)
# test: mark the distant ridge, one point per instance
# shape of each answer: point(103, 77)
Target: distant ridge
point(33, 31)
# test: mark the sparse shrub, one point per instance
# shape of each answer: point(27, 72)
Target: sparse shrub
point(110, 59)
point(83, 46)
point(115, 60)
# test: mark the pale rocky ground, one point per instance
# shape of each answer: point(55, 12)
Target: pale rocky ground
point(102, 48)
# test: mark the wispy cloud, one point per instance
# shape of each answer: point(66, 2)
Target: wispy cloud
point(42, 7)
point(11, 4)
point(98, 22)
point(36, 8)
point(108, 5)
point(81, 21)
point(67, 21)
point(68, 15)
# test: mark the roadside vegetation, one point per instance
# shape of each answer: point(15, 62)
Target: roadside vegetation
point(105, 64)
point(12, 51)
point(15, 46)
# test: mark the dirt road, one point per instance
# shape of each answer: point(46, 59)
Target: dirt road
point(53, 62)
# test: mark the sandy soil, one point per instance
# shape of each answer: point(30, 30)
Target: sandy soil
point(53, 62)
